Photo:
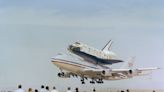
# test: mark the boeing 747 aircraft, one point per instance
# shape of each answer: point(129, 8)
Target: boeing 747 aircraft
point(70, 65)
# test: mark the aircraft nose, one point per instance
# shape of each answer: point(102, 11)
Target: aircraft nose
point(57, 57)
point(52, 59)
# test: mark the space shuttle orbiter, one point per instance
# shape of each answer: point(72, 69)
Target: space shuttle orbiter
point(90, 54)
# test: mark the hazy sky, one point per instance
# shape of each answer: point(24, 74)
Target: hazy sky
point(32, 31)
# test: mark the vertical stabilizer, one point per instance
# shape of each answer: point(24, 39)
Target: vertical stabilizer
point(107, 46)
point(129, 63)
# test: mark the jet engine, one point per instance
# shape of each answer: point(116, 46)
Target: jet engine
point(130, 71)
point(106, 73)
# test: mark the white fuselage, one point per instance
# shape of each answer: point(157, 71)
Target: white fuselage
point(76, 66)
point(69, 63)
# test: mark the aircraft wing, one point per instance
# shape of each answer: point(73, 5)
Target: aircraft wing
point(93, 71)
point(108, 73)
point(133, 72)
point(147, 69)
point(138, 69)
point(122, 73)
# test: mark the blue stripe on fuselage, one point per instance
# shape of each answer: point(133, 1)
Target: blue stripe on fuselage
point(73, 63)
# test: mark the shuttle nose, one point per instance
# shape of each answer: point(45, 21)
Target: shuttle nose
point(70, 47)
point(55, 60)
point(73, 48)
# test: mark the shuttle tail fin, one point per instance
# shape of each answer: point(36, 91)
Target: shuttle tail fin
point(107, 46)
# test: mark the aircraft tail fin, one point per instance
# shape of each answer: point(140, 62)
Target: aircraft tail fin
point(129, 63)
point(107, 46)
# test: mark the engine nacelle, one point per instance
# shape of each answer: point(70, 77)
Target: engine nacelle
point(130, 71)
point(106, 72)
